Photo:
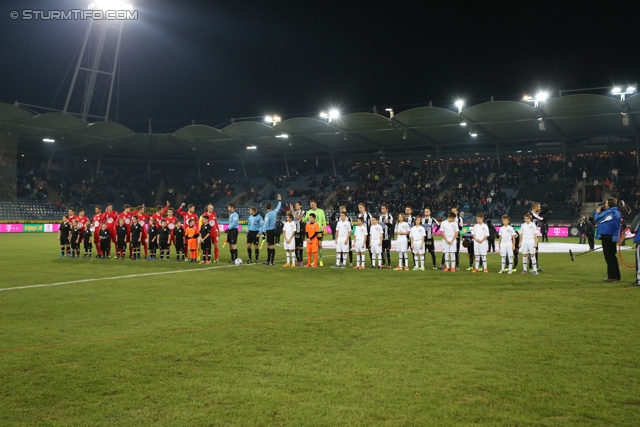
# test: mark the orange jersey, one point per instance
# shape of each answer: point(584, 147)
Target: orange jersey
point(311, 230)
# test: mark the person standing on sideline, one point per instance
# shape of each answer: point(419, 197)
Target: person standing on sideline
point(492, 236)
point(232, 232)
point(582, 230)
point(609, 221)
point(635, 228)
point(269, 228)
point(322, 223)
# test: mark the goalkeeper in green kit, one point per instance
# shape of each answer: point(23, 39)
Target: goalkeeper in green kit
point(322, 222)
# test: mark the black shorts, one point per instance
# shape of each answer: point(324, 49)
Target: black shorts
point(87, 245)
point(232, 236)
point(64, 240)
point(253, 238)
point(75, 244)
point(386, 244)
point(122, 244)
point(135, 243)
point(153, 246)
point(271, 237)
point(299, 241)
point(430, 245)
point(206, 246)
point(180, 247)
point(164, 246)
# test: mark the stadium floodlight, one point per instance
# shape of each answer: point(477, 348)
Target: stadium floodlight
point(48, 140)
point(542, 96)
point(463, 123)
point(274, 120)
point(334, 114)
point(110, 5)
point(623, 93)
point(282, 135)
point(390, 110)
point(459, 103)
point(252, 147)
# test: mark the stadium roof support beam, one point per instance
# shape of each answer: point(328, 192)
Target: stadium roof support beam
point(244, 141)
point(428, 141)
point(555, 130)
point(243, 169)
point(491, 137)
point(358, 138)
point(310, 141)
point(98, 165)
point(333, 162)
point(287, 166)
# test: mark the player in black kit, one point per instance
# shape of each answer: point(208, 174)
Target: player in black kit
point(164, 234)
point(75, 239)
point(64, 234)
point(153, 239)
point(178, 239)
point(205, 245)
point(87, 237)
point(136, 234)
point(121, 235)
point(105, 241)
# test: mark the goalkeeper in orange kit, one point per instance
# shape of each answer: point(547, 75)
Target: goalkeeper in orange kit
point(312, 229)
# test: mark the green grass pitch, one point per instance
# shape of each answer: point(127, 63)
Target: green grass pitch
point(269, 346)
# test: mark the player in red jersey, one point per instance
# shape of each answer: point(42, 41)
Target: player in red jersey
point(98, 218)
point(145, 223)
point(160, 211)
point(190, 214)
point(171, 224)
point(72, 215)
point(126, 215)
point(110, 216)
point(211, 215)
point(84, 220)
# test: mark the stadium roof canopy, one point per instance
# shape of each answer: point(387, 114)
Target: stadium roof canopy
point(583, 121)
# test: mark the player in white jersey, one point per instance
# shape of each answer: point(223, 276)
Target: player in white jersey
point(375, 240)
point(430, 227)
point(343, 235)
point(361, 243)
point(417, 236)
point(408, 216)
point(528, 243)
point(289, 231)
point(298, 219)
point(386, 221)
point(450, 232)
point(480, 234)
point(402, 230)
point(507, 241)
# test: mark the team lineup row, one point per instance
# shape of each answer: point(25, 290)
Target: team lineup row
point(196, 238)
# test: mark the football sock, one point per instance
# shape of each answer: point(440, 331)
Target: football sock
point(215, 252)
point(319, 252)
point(350, 255)
point(62, 250)
point(422, 261)
point(315, 258)
point(525, 262)
point(503, 260)
point(534, 261)
point(484, 261)
point(338, 258)
point(414, 259)
point(257, 254)
point(249, 253)
point(288, 257)
point(477, 262)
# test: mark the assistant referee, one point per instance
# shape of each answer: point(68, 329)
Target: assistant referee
point(269, 227)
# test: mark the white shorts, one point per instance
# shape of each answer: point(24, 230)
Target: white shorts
point(341, 246)
point(291, 246)
point(528, 247)
point(401, 245)
point(358, 246)
point(448, 248)
point(417, 251)
point(506, 249)
point(480, 248)
point(376, 249)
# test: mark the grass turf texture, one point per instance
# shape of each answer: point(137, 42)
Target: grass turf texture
point(261, 346)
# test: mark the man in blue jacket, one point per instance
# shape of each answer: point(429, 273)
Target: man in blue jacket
point(609, 221)
point(635, 228)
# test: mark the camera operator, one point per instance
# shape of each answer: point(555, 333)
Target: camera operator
point(609, 220)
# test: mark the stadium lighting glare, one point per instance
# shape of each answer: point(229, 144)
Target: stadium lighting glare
point(331, 115)
point(473, 134)
point(334, 114)
point(459, 103)
point(527, 98)
point(282, 135)
point(274, 120)
point(463, 123)
point(110, 5)
point(323, 115)
point(623, 93)
point(390, 110)
point(48, 140)
point(252, 147)
point(542, 96)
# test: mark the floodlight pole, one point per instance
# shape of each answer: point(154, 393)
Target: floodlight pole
point(98, 167)
point(287, 166)
point(334, 165)
point(243, 169)
point(49, 162)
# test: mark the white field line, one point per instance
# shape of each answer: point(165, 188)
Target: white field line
point(129, 276)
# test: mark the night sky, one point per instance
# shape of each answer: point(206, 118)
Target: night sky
point(209, 62)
